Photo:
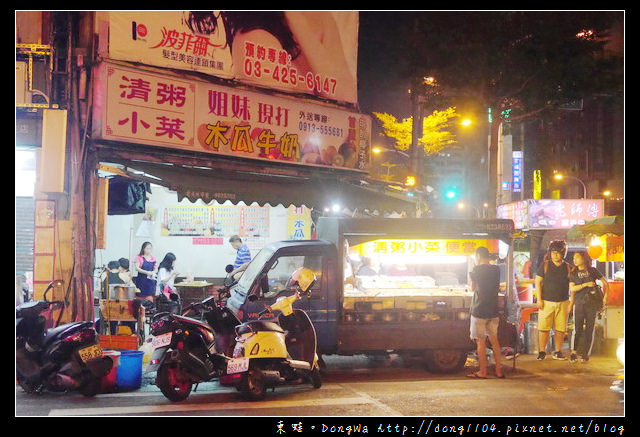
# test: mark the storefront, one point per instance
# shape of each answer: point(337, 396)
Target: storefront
point(219, 153)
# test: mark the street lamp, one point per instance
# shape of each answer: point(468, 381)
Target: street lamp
point(560, 176)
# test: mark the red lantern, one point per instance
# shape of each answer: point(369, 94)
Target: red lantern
point(594, 251)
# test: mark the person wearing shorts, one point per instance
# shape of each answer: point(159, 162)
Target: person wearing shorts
point(552, 293)
point(485, 283)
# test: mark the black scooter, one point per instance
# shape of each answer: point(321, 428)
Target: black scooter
point(64, 358)
point(189, 351)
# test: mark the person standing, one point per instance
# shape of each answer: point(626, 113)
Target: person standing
point(485, 283)
point(125, 274)
point(552, 292)
point(110, 276)
point(147, 267)
point(587, 301)
point(243, 256)
point(167, 275)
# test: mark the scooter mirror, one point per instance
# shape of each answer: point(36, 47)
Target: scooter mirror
point(228, 268)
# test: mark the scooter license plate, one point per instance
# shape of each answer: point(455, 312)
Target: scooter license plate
point(89, 353)
point(237, 365)
point(161, 340)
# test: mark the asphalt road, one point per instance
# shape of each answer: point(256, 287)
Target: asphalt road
point(362, 386)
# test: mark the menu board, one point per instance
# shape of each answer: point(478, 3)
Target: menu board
point(216, 220)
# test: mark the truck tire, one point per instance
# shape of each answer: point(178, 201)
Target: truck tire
point(445, 360)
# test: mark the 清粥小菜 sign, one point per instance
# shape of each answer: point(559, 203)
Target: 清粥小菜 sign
point(160, 110)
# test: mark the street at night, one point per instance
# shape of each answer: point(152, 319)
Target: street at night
point(310, 216)
point(363, 386)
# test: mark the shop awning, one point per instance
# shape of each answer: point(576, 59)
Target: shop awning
point(317, 192)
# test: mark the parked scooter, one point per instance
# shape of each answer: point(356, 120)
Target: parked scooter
point(189, 351)
point(64, 358)
point(269, 354)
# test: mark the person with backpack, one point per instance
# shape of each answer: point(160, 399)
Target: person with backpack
point(587, 300)
point(552, 293)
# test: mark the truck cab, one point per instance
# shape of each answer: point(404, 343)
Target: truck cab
point(414, 301)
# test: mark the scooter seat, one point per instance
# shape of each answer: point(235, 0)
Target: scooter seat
point(55, 333)
point(257, 326)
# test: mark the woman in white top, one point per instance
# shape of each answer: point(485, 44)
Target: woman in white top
point(167, 275)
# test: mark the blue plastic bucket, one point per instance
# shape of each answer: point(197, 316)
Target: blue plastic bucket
point(129, 375)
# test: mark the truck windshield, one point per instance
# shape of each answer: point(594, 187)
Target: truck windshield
point(254, 268)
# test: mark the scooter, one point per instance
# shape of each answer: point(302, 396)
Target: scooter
point(270, 354)
point(189, 351)
point(64, 358)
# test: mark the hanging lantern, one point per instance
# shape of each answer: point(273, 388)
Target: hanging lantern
point(594, 251)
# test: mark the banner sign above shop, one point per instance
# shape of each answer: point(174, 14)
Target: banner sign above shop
point(425, 247)
point(312, 52)
point(551, 213)
point(147, 108)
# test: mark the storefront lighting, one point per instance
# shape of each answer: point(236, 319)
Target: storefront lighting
point(335, 208)
point(408, 259)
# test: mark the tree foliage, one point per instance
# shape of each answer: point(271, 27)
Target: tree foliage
point(434, 138)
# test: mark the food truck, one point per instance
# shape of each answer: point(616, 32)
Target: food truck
point(412, 298)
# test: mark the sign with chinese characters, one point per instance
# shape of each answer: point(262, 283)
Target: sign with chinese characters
point(311, 52)
point(249, 222)
point(298, 223)
point(424, 247)
point(516, 170)
point(551, 213)
point(142, 107)
point(516, 211)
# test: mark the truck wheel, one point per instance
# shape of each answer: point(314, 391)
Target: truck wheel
point(252, 385)
point(445, 360)
point(173, 383)
point(315, 378)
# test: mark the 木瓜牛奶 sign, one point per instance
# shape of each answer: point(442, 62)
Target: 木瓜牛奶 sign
point(136, 106)
point(310, 52)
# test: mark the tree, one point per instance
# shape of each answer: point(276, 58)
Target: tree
point(434, 136)
point(516, 63)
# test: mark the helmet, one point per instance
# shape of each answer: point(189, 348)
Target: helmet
point(558, 246)
point(304, 278)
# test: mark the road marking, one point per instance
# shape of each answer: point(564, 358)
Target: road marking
point(201, 390)
point(389, 411)
point(172, 408)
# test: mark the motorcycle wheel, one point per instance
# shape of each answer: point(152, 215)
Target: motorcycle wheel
point(316, 379)
point(252, 385)
point(91, 387)
point(27, 387)
point(173, 383)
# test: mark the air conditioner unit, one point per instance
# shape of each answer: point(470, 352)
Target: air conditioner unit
point(23, 95)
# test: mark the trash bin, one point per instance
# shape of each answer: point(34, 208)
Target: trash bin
point(531, 337)
point(129, 376)
point(109, 380)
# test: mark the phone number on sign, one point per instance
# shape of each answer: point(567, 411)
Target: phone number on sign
point(321, 129)
point(290, 76)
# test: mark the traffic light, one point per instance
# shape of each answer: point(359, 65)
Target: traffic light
point(451, 193)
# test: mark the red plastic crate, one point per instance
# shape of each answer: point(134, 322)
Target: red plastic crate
point(128, 342)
